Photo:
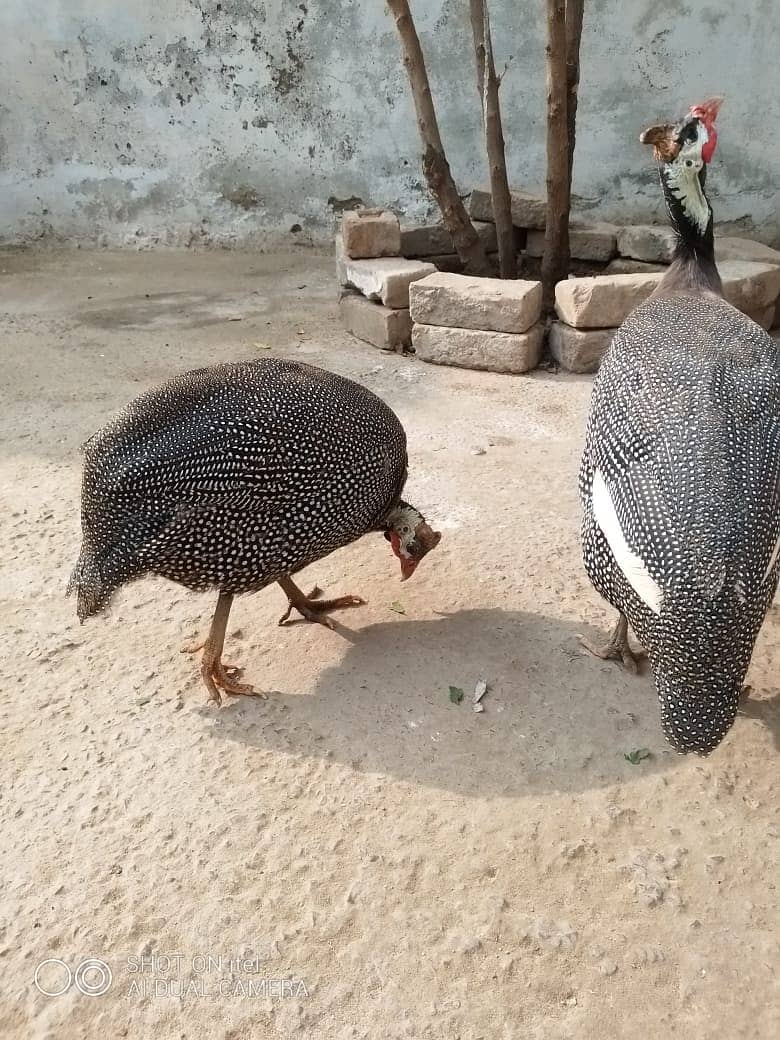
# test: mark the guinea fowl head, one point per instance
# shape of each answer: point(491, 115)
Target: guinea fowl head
point(410, 536)
point(683, 149)
point(689, 142)
point(696, 714)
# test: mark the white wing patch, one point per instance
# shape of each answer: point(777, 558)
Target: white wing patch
point(772, 560)
point(633, 567)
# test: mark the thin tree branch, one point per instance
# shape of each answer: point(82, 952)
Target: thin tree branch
point(574, 17)
point(555, 262)
point(487, 82)
point(435, 166)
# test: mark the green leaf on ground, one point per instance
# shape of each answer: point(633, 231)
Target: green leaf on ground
point(399, 608)
point(637, 755)
point(456, 694)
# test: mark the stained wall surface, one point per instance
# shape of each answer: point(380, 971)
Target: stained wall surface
point(248, 122)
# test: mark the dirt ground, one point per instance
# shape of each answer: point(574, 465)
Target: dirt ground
point(356, 856)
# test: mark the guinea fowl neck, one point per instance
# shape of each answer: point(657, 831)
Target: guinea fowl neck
point(693, 266)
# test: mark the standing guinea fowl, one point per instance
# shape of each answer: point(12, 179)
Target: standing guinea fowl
point(237, 476)
point(680, 480)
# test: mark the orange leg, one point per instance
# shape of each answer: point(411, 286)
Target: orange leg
point(216, 675)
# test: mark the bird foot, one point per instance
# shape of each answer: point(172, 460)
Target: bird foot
point(218, 675)
point(222, 678)
point(615, 649)
point(314, 609)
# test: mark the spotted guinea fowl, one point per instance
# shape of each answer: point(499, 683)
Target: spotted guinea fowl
point(680, 479)
point(240, 475)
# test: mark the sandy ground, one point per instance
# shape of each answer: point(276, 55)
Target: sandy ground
point(356, 856)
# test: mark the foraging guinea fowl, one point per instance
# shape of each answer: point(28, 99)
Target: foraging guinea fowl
point(237, 476)
point(680, 480)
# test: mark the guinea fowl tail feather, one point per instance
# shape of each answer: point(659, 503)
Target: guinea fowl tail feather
point(86, 581)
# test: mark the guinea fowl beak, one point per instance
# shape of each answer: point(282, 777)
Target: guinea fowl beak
point(408, 567)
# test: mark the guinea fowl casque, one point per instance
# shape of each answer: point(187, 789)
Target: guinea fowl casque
point(240, 475)
point(680, 479)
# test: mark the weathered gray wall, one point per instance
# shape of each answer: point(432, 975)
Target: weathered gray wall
point(235, 121)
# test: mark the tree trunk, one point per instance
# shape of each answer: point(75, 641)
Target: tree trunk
point(574, 15)
point(555, 262)
point(434, 161)
point(494, 138)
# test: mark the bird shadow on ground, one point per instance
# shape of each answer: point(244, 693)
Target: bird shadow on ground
point(766, 711)
point(554, 719)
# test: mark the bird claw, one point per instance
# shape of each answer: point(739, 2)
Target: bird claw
point(614, 650)
point(222, 679)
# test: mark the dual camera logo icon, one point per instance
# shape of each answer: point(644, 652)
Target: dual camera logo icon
point(92, 977)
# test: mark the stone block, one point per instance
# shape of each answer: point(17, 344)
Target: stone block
point(650, 242)
point(481, 205)
point(452, 263)
point(447, 262)
point(606, 301)
point(586, 242)
point(474, 348)
point(374, 323)
point(579, 350)
point(433, 240)
point(528, 211)
point(623, 265)
point(428, 240)
point(486, 233)
point(602, 302)
point(750, 286)
point(465, 302)
point(745, 249)
point(370, 233)
point(765, 318)
point(386, 279)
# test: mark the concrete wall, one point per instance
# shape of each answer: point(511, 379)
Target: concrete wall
point(245, 121)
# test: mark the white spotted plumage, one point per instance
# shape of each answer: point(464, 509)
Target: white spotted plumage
point(232, 476)
point(684, 432)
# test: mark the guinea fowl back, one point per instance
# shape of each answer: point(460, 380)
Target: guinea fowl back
point(286, 461)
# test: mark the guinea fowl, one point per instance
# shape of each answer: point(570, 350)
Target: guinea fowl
point(240, 475)
point(680, 479)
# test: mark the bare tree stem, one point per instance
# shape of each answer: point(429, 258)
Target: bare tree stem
point(488, 83)
point(574, 16)
point(435, 166)
point(555, 262)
